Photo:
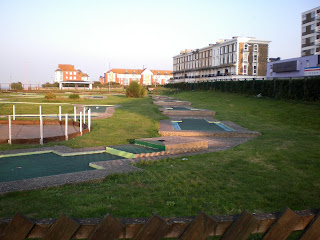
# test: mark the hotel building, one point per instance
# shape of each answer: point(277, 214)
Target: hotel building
point(66, 74)
point(310, 32)
point(229, 58)
point(143, 76)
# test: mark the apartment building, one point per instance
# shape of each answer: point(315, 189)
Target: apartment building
point(67, 72)
point(143, 76)
point(239, 56)
point(310, 32)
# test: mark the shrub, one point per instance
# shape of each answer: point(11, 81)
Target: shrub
point(74, 96)
point(136, 90)
point(50, 96)
point(16, 86)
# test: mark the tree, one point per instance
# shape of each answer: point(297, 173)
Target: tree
point(136, 90)
point(16, 86)
point(50, 85)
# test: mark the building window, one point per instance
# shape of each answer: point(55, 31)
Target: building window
point(74, 73)
point(245, 48)
point(245, 69)
point(226, 49)
point(234, 47)
point(221, 50)
point(230, 48)
point(67, 77)
point(67, 72)
point(255, 57)
point(74, 78)
point(312, 51)
point(304, 17)
point(245, 57)
point(234, 57)
point(254, 70)
point(255, 47)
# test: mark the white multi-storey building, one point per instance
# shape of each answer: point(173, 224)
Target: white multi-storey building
point(310, 32)
point(239, 56)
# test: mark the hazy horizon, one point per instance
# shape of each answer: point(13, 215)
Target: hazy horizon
point(91, 35)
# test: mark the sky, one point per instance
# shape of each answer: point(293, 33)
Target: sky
point(37, 35)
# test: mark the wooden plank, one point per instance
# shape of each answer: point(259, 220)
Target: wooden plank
point(156, 228)
point(18, 228)
point(63, 229)
point(313, 229)
point(283, 226)
point(243, 226)
point(109, 228)
point(177, 225)
point(200, 228)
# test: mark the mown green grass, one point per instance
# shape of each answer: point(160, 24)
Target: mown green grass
point(280, 168)
point(135, 118)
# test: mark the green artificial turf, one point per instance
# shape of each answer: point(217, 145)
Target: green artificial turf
point(278, 169)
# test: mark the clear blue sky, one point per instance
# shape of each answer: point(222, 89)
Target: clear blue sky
point(132, 34)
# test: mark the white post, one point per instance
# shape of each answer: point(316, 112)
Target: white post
point(89, 119)
point(81, 123)
point(84, 115)
point(66, 127)
point(41, 130)
point(14, 112)
point(59, 113)
point(40, 111)
point(10, 133)
point(75, 113)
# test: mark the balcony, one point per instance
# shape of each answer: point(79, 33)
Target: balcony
point(317, 42)
point(318, 16)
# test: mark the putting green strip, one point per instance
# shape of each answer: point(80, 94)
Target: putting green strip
point(51, 151)
point(93, 165)
point(25, 154)
point(78, 153)
point(120, 153)
point(150, 145)
point(176, 121)
point(169, 108)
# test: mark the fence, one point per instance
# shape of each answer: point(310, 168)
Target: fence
point(307, 89)
point(272, 225)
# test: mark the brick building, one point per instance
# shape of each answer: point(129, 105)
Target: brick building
point(67, 72)
point(239, 56)
point(143, 76)
point(67, 75)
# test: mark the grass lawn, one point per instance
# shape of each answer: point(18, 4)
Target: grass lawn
point(279, 168)
point(136, 118)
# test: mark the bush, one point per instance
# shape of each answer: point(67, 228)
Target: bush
point(74, 96)
point(136, 90)
point(50, 96)
point(16, 86)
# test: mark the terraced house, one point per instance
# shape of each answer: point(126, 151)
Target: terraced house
point(239, 57)
point(143, 76)
point(310, 32)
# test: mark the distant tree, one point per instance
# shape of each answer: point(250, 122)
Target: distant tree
point(16, 86)
point(50, 85)
point(97, 84)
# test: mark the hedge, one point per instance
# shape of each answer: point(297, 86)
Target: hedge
point(307, 89)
